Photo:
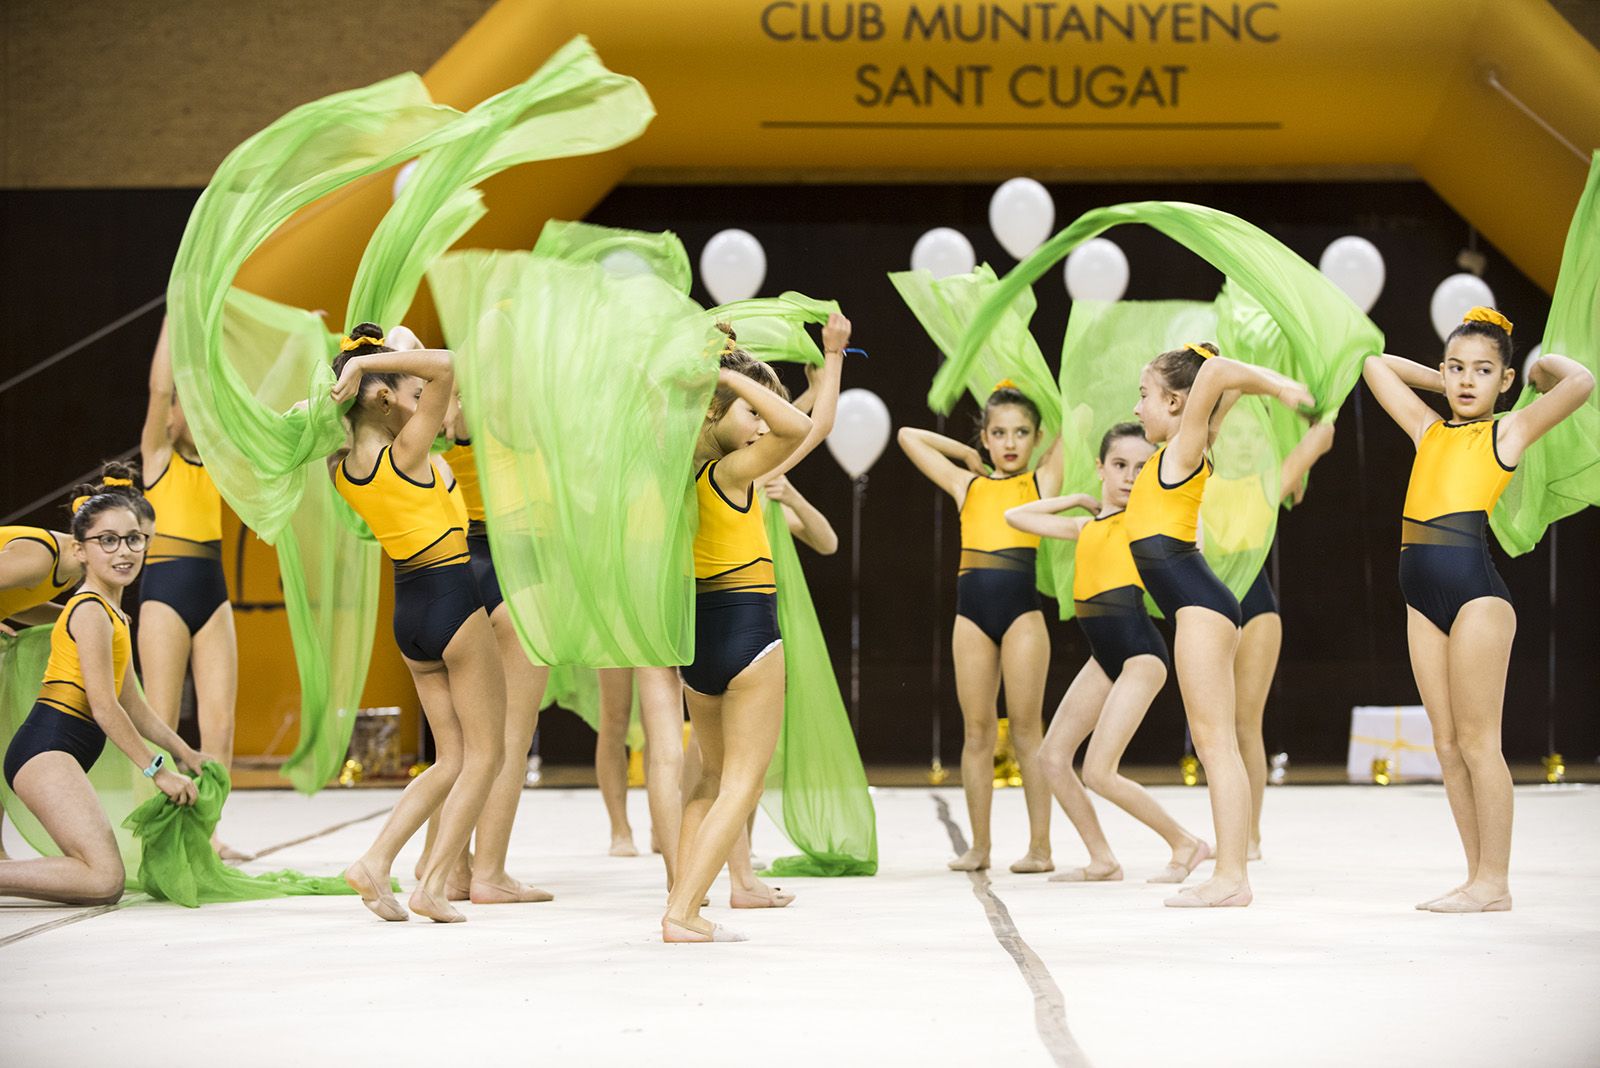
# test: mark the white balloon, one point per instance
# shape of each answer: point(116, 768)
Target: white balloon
point(1097, 270)
point(1527, 364)
point(733, 265)
point(1355, 265)
point(402, 176)
point(943, 252)
point(860, 431)
point(1456, 296)
point(1021, 213)
point(624, 263)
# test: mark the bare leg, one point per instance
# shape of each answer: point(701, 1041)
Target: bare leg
point(661, 709)
point(1430, 666)
point(977, 690)
point(611, 755)
point(1075, 717)
point(1480, 653)
point(163, 659)
point(1203, 655)
point(748, 718)
point(491, 884)
point(214, 659)
point(1024, 661)
point(89, 871)
point(1125, 706)
point(1253, 668)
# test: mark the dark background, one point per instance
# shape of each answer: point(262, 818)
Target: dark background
point(71, 262)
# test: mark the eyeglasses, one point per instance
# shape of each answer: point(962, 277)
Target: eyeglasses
point(109, 542)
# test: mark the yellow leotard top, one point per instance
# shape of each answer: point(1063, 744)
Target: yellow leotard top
point(188, 512)
point(414, 522)
point(462, 462)
point(63, 676)
point(26, 597)
point(1238, 512)
point(1155, 508)
point(985, 534)
point(731, 552)
point(1457, 473)
point(453, 494)
point(1103, 561)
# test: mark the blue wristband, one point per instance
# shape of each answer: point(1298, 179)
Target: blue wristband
point(156, 765)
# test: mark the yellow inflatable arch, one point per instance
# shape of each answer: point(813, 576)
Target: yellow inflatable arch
point(1494, 103)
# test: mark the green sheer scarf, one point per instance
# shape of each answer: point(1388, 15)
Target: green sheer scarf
point(816, 788)
point(1560, 473)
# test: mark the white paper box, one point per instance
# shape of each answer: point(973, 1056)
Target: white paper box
point(1400, 734)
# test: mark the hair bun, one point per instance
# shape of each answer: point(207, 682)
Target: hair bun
point(1481, 314)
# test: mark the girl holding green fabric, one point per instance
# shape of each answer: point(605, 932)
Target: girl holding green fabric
point(90, 694)
point(1459, 618)
point(999, 629)
point(399, 404)
point(1184, 395)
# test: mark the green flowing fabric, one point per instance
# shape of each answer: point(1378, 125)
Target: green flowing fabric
point(1325, 336)
point(119, 785)
point(586, 391)
point(816, 788)
point(177, 862)
point(1559, 474)
point(1106, 346)
point(621, 252)
point(774, 328)
point(947, 308)
point(262, 456)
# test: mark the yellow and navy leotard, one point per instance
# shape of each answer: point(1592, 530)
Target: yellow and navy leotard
point(1237, 512)
point(61, 719)
point(1162, 520)
point(416, 524)
point(25, 597)
point(1108, 596)
point(736, 614)
point(183, 566)
point(995, 584)
point(1444, 553)
point(469, 492)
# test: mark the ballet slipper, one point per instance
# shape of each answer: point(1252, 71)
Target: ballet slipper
point(1177, 873)
point(775, 897)
point(1423, 906)
point(1033, 864)
point(1462, 901)
point(1086, 875)
point(673, 931)
point(623, 847)
point(517, 893)
point(971, 860)
point(1190, 898)
point(426, 905)
point(227, 853)
point(455, 891)
point(374, 893)
point(1254, 852)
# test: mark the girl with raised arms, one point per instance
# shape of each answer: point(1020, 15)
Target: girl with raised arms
point(1459, 618)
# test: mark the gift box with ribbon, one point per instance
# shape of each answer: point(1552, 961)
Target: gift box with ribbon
point(1397, 738)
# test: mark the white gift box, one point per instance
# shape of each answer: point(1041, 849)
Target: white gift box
point(1400, 734)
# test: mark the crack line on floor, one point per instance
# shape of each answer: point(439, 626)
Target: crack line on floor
point(1049, 1005)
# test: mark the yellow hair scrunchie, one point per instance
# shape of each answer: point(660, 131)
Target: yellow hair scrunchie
point(79, 502)
point(730, 346)
point(348, 343)
point(116, 482)
point(1488, 315)
point(1004, 383)
point(1199, 350)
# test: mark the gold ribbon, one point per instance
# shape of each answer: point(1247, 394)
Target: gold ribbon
point(349, 343)
point(1199, 350)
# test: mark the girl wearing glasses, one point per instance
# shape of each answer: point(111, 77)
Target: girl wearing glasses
point(90, 694)
point(185, 620)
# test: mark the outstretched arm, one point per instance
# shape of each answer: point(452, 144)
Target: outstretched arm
point(1312, 446)
point(1042, 519)
point(155, 447)
point(1394, 380)
point(804, 520)
point(822, 394)
point(1048, 474)
point(1564, 386)
point(947, 463)
point(1217, 377)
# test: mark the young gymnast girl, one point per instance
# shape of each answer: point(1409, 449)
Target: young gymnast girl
point(661, 716)
point(1126, 669)
point(1459, 618)
point(90, 694)
point(999, 630)
point(1184, 395)
point(399, 404)
point(735, 687)
point(185, 618)
point(35, 566)
point(1261, 637)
